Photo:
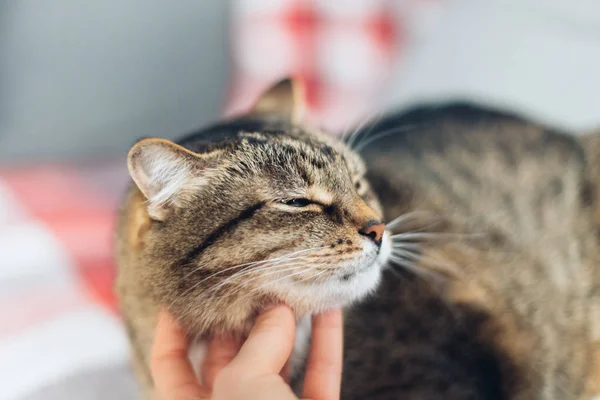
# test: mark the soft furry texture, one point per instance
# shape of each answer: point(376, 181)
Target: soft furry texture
point(491, 286)
point(502, 299)
point(250, 212)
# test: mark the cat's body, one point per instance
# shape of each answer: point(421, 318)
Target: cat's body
point(518, 317)
point(500, 301)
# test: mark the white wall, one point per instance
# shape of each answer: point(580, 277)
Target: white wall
point(539, 56)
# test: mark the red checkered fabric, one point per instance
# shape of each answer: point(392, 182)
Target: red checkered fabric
point(57, 305)
point(344, 51)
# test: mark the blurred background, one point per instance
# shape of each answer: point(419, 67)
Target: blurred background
point(80, 82)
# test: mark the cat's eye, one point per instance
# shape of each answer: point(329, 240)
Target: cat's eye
point(298, 202)
point(357, 185)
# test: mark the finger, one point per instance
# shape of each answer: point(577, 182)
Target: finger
point(219, 354)
point(286, 371)
point(171, 371)
point(265, 387)
point(324, 366)
point(269, 344)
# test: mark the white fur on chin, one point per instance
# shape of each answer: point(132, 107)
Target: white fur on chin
point(334, 293)
point(345, 292)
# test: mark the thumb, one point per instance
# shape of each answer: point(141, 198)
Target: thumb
point(270, 342)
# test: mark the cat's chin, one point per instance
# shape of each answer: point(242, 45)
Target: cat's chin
point(353, 282)
point(340, 290)
point(345, 290)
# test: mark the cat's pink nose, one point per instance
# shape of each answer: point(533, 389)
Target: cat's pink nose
point(374, 230)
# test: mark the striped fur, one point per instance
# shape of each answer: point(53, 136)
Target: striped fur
point(499, 300)
point(207, 230)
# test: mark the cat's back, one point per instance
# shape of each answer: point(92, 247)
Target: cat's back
point(512, 197)
point(479, 163)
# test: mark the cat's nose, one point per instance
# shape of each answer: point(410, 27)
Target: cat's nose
point(374, 230)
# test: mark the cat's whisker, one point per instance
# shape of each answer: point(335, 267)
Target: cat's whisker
point(430, 236)
point(298, 270)
point(264, 263)
point(446, 266)
point(428, 276)
point(406, 217)
point(346, 131)
point(313, 277)
point(350, 139)
point(223, 270)
point(255, 269)
point(269, 271)
point(414, 268)
point(306, 269)
point(280, 269)
point(365, 134)
point(268, 283)
point(358, 130)
point(406, 245)
point(254, 275)
point(405, 253)
point(425, 228)
point(285, 256)
point(311, 268)
point(271, 265)
point(262, 268)
point(428, 259)
point(383, 134)
point(406, 264)
point(282, 257)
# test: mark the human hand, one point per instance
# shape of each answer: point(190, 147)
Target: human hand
point(252, 371)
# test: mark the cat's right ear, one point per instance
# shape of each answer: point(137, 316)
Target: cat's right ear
point(285, 99)
point(166, 173)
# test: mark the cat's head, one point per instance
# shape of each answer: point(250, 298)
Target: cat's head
point(256, 210)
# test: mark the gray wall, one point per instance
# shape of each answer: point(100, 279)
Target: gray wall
point(86, 78)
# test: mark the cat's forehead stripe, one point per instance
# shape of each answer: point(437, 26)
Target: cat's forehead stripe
point(315, 153)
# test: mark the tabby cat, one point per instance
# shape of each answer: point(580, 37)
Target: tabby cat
point(483, 284)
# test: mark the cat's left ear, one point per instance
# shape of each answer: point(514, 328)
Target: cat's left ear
point(167, 174)
point(285, 99)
